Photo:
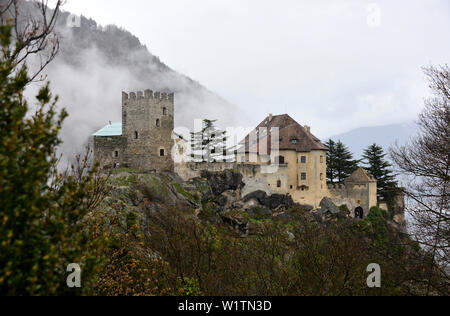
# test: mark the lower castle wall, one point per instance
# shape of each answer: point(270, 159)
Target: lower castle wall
point(104, 151)
point(255, 177)
point(354, 195)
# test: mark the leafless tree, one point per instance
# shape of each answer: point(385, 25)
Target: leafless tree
point(426, 162)
point(33, 34)
point(83, 171)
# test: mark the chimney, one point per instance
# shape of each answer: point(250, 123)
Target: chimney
point(308, 129)
point(270, 117)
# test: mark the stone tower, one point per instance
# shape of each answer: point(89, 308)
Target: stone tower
point(147, 125)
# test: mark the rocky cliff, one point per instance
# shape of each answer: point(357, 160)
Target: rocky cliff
point(216, 197)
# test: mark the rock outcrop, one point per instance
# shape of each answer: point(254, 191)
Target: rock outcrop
point(217, 197)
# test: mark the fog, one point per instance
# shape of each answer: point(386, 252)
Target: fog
point(329, 64)
point(92, 69)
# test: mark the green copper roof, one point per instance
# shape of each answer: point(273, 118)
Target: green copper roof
point(114, 129)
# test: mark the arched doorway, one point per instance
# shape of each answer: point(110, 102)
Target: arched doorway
point(359, 212)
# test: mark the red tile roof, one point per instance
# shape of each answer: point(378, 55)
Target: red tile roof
point(360, 176)
point(292, 135)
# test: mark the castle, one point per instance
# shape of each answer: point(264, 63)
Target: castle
point(144, 141)
point(144, 138)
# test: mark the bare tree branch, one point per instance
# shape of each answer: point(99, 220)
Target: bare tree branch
point(33, 34)
point(427, 160)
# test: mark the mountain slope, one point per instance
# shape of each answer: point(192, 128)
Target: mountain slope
point(385, 136)
point(95, 64)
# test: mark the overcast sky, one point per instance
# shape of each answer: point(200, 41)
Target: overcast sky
point(332, 64)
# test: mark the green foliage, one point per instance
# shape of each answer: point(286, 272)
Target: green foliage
point(40, 210)
point(126, 170)
point(340, 162)
point(381, 169)
point(189, 287)
point(187, 195)
point(203, 257)
point(377, 229)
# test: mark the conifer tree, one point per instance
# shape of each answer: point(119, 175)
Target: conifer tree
point(381, 169)
point(331, 161)
point(340, 162)
point(209, 144)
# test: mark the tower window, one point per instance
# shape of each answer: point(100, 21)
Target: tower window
point(321, 177)
point(303, 159)
point(136, 135)
point(161, 152)
point(116, 154)
point(278, 184)
point(164, 111)
point(303, 176)
point(158, 123)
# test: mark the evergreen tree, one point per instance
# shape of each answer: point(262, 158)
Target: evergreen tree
point(340, 162)
point(345, 164)
point(331, 161)
point(380, 168)
point(209, 144)
point(40, 209)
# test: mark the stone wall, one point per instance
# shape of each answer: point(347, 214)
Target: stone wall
point(258, 177)
point(255, 177)
point(147, 125)
point(106, 149)
point(354, 195)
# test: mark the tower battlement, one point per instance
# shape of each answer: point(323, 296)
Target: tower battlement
point(148, 94)
point(145, 142)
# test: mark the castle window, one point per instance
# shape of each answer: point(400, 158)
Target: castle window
point(161, 152)
point(158, 123)
point(303, 176)
point(303, 159)
point(278, 184)
point(136, 135)
point(116, 154)
point(164, 111)
point(280, 160)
